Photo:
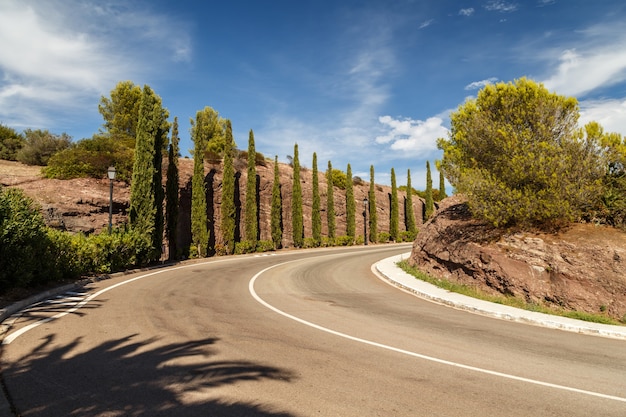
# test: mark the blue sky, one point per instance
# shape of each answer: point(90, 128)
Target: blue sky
point(360, 82)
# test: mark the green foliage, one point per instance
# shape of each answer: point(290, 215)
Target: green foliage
point(408, 236)
point(383, 237)
point(40, 145)
point(121, 112)
point(340, 179)
point(251, 220)
point(91, 158)
point(344, 241)
point(245, 246)
point(201, 131)
point(442, 186)
point(517, 154)
point(373, 218)
point(350, 205)
point(394, 229)
point(409, 214)
point(276, 221)
point(316, 215)
point(297, 221)
point(430, 207)
point(172, 198)
point(330, 202)
point(10, 143)
point(228, 194)
point(265, 246)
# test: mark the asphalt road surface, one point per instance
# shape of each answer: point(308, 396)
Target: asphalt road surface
point(296, 333)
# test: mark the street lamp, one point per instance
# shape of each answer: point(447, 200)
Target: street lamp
point(365, 208)
point(111, 173)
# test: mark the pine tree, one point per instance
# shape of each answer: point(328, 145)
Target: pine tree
point(408, 210)
point(296, 203)
point(277, 209)
point(228, 193)
point(373, 222)
point(442, 185)
point(394, 232)
point(330, 202)
point(429, 193)
point(252, 220)
point(350, 205)
point(316, 215)
point(199, 221)
point(172, 198)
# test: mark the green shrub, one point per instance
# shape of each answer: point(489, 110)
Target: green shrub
point(10, 143)
point(407, 236)
point(40, 145)
point(344, 241)
point(383, 237)
point(245, 246)
point(265, 246)
point(309, 243)
point(339, 179)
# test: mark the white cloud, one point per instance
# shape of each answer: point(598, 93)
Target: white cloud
point(426, 24)
point(500, 6)
point(57, 56)
point(466, 12)
point(611, 114)
point(476, 85)
point(412, 137)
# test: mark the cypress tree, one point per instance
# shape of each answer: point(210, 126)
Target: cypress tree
point(228, 193)
point(316, 216)
point(296, 203)
point(199, 221)
point(172, 197)
point(160, 116)
point(442, 185)
point(372, 208)
point(142, 200)
point(408, 210)
point(252, 221)
point(394, 232)
point(429, 193)
point(277, 209)
point(330, 202)
point(350, 205)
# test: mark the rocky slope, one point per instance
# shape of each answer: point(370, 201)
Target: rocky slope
point(581, 268)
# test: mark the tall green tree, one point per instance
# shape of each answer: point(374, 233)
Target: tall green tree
point(146, 189)
point(394, 230)
point(516, 153)
point(373, 220)
point(252, 218)
point(430, 205)
point(350, 205)
point(442, 185)
point(277, 209)
point(228, 193)
point(172, 199)
point(120, 112)
point(201, 131)
point(10, 143)
point(316, 215)
point(297, 220)
point(330, 202)
point(409, 214)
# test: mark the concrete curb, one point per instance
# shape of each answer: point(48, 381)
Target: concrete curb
point(387, 270)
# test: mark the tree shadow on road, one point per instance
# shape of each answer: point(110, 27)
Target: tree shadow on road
point(125, 377)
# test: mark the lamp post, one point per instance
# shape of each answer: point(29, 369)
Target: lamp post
point(365, 208)
point(111, 173)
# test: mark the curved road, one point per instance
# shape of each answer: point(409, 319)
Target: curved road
point(297, 333)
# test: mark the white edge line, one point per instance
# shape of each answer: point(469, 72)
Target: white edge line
point(413, 354)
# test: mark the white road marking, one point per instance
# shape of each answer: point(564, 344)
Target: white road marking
point(414, 354)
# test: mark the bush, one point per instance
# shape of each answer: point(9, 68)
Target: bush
point(407, 236)
point(245, 246)
point(344, 241)
point(309, 243)
point(265, 246)
point(10, 143)
point(40, 145)
point(383, 237)
point(339, 179)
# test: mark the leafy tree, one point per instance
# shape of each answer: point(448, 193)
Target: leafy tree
point(121, 112)
point(277, 209)
point(228, 193)
point(394, 232)
point(316, 215)
point(330, 202)
point(297, 221)
point(340, 179)
point(408, 210)
point(39, 145)
point(373, 221)
point(516, 153)
point(350, 205)
point(10, 143)
point(172, 199)
point(252, 220)
point(442, 184)
point(429, 209)
point(200, 132)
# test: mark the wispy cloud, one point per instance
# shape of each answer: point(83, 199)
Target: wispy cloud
point(57, 56)
point(476, 85)
point(466, 12)
point(412, 137)
point(501, 6)
point(610, 113)
point(426, 23)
